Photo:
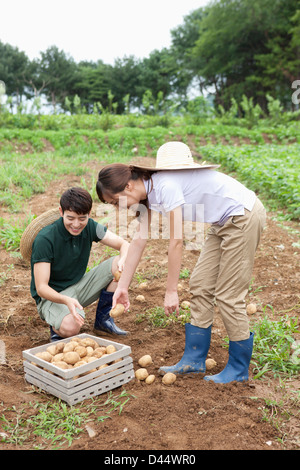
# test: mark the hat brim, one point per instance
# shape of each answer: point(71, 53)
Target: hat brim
point(195, 166)
point(31, 231)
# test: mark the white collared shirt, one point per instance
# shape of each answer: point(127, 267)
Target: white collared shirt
point(205, 195)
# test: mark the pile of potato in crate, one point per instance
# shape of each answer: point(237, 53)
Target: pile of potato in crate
point(79, 367)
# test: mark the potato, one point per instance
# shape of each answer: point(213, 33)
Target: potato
point(102, 366)
point(117, 275)
point(150, 379)
point(57, 357)
point(80, 363)
point(251, 309)
point(71, 357)
point(46, 356)
point(91, 358)
point(145, 361)
point(89, 342)
point(88, 349)
point(81, 350)
point(110, 349)
point(169, 378)
point(52, 349)
point(98, 353)
point(140, 298)
point(76, 338)
point(59, 347)
point(210, 364)
point(143, 285)
point(62, 365)
point(185, 304)
point(141, 374)
point(117, 311)
point(70, 346)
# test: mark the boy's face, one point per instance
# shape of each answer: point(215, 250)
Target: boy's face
point(74, 223)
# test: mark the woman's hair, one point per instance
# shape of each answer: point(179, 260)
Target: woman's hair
point(113, 179)
point(76, 200)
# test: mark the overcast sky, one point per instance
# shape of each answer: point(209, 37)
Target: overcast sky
point(93, 29)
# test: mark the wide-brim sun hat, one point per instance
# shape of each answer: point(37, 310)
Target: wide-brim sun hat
point(31, 231)
point(175, 156)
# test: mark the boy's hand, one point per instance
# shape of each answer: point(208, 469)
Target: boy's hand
point(72, 305)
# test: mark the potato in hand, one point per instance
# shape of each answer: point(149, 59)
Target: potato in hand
point(117, 311)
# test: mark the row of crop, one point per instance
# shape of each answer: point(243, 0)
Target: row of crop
point(126, 137)
point(272, 171)
point(31, 159)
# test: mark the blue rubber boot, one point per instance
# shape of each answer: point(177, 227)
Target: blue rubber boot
point(237, 367)
point(103, 321)
point(197, 342)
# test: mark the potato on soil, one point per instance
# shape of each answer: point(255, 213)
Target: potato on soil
point(141, 374)
point(251, 309)
point(210, 364)
point(185, 304)
point(150, 379)
point(117, 311)
point(71, 357)
point(143, 285)
point(46, 356)
point(145, 361)
point(140, 298)
point(169, 378)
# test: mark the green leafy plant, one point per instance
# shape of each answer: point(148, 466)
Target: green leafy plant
point(273, 351)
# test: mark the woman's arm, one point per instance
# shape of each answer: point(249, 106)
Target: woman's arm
point(134, 255)
point(174, 261)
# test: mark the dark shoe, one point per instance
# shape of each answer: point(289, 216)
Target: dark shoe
point(197, 342)
point(54, 336)
point(237, 367)
point(104, 324)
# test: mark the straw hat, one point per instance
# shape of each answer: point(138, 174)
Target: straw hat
point(175, 156)
point(31, 231)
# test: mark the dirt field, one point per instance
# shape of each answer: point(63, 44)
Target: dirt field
point(190, 415)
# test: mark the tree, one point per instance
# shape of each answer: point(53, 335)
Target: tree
point(13, 66)
point(58, 70)
point(91, 84)
point(242, 47)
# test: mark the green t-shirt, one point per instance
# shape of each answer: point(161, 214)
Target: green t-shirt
point(67, 254)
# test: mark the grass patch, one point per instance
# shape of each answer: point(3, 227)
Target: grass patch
point(157, 318)
point(55, 424)
point(274, 348)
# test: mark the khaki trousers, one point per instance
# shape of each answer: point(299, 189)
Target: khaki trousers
point(223, 272)
point(86, 291)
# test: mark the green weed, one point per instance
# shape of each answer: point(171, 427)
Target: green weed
point(55, 424)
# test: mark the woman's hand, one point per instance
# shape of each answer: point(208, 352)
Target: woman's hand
point(171, 303)
point(121, 297)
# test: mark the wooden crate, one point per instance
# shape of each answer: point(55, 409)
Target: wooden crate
point(79, 383)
